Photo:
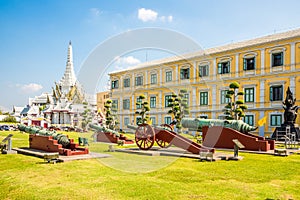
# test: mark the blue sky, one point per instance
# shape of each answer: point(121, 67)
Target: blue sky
point(34, 34)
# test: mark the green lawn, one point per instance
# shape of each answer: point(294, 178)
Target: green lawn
point(127, 176)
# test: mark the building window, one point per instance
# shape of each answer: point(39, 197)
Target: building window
point(249, 63)
point(126, 82)
point(126, 121)
point(152, 102)
point(223, 97)
point(138, 81)
point(249, 95)
point(168, 76)
point(167, 97)
point(203, 117)
point(168, 120)
point(203, 70)
point(249, 119)
point(153, 78)
point(138, 103)
point(185, 73)
point(153, 119)
point(126, 104)
point(224, 67)
point(203, 98)
point(276, 93)
point(276, 120)
point(115, 104)
point(115, 84)
point(277, 59)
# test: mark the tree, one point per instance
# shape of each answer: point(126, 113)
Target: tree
point(110, 110)
point(9, 118)
point(179, 107)
point(87, 116)
point(144, 110)
point(235, 109)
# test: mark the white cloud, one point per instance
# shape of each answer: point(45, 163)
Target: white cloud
point(150, 15)
point(29, 88)
point(125, 62)
point(147, 15)
point(163, 18)
point(95, 12)
point(130, 60)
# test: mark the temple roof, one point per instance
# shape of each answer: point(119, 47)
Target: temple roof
point(69, 78)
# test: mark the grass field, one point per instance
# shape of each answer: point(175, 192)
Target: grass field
point(126, 176)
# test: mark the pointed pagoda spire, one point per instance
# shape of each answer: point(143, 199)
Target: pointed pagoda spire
point(70, 53)
point(69, 78)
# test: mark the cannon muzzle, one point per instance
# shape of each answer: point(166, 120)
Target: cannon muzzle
point(197, 124)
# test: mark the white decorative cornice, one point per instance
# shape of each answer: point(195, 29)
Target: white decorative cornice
point(225, 59)
point(202, 63)
point(277, 50)
point(250, 55)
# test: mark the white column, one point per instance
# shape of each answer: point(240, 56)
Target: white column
point(121, 121)
point(160, 76)
point(214, 69)
point(61, 115)
point(237, 65)
point(214, 101)
point(293, 55)
point(262, 61)
point(66, 118)
point(292, 84)
point(262, 93)
point(176, 73)
point(72, 119)
point(55, 118)
point(195, 71)
point(146, 79)
point(159, 120)
point(121, 86)
point(194, 96)
point(133, 80)
point(121, 104)
point(132, 102)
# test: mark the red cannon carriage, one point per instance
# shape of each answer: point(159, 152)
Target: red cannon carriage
point(164, 136)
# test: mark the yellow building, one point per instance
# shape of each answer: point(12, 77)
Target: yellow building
point(264, 67)
point(102, 97)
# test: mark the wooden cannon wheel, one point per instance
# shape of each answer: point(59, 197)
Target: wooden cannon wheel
point(161, 143)
point(144, 136)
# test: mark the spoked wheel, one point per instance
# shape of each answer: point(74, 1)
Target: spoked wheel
point(144, 136)
point(167, 126)
point(161, 143)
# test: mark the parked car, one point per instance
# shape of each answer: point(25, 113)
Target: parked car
point(13, 128)
point(4, 128)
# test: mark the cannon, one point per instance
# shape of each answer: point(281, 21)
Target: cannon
point(61, 138)
point(196, 124)
point(109, 135)
point(103, 129)
point(164, 136)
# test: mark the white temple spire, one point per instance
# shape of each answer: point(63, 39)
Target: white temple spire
point(70, 53)
point(69, 78)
